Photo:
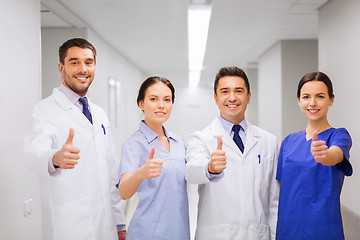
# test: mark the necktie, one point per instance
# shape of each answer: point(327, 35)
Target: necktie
point(237, 139)
point(86, 111)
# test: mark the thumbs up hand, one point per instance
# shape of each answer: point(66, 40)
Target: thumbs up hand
point(218, 160)
point(318, 149)
point(67, 157)
point(151, 168)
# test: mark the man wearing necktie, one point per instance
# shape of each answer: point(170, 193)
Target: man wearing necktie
point(234, 164)
point(70, 146)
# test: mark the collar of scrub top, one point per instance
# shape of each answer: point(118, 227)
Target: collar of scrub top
point(150, 135)
point(228, 128)
point(72, 96)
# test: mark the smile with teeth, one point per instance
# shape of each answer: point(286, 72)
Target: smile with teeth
point(160, 113)
point(313, 110)
point(232, 105)
point(82, 78)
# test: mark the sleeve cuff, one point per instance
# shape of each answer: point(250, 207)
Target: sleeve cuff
point(121, 227)
point(213, 177)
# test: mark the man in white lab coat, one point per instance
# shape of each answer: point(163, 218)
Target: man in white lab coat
point(235, 168)
point(70, 146)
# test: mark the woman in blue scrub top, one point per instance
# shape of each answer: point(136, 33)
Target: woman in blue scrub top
point(311, 168)
point(152, 164)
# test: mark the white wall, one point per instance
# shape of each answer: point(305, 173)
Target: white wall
point(20, 89)
point(298, 58)
point(339, 54)
point(193, 110)
point(252, 110)
point(280, 70)
point(269, 91)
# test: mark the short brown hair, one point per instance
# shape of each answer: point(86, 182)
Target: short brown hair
point(75, 42)
point(231, 71)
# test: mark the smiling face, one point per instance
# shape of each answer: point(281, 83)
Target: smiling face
point(157, 104)
point(232, 98)
point(78, 69)
point(314, 100)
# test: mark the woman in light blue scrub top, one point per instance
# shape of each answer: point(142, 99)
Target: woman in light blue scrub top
point(152, 164)
point(311, 168)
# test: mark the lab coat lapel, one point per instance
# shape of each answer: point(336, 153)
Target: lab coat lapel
point(218, 130)
point(73, 111)
point(252, 137)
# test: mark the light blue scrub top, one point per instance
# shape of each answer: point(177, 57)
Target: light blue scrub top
point(309, 201)
point(162, 212)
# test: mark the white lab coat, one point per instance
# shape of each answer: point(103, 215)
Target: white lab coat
point(241, 202)
point(81, 203)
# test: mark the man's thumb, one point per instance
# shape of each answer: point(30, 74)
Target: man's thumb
point(70, 137)
point(219, 140)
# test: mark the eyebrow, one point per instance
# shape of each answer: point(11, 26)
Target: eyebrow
point(158, 96)
point(75, 59)
point(227, 88)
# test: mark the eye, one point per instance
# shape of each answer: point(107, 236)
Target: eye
point(73, 63)
point(321, 96)
point(224, 91)
point(305, 97)
point(152, 99)
point(167, 100)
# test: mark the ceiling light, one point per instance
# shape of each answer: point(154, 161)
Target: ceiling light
point(198, 25)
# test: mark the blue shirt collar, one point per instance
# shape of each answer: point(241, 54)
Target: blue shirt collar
point(72, 96)
point(228, 125)
point(150, 135)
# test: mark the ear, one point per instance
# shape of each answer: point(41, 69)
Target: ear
point(61, 68)
point(298, 100)
point(249, 97)
point(141, 105)
point(215, 98)
point(332, 101)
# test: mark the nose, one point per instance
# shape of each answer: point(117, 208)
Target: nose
point(83, 68)
point(313, 101)
point(232, 96)
point(161, 104)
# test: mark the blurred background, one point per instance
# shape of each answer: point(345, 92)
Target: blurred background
point(275, 41)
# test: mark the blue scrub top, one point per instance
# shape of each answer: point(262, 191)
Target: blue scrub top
point(309, 201)
point(162, 212)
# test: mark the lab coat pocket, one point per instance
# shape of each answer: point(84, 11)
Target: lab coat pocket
point(73, 220)
point(263, 172)
point(213, 232)
point(255, 177)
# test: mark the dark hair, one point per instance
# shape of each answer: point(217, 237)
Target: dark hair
point(316, 76)
point(231, 71)
point(75, 42)
point(151, 81)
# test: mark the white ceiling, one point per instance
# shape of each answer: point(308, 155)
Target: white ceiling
point(153, 34)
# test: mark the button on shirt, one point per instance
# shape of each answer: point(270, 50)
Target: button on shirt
point(162, 212)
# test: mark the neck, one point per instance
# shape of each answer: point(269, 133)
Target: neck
point(318, 126)
point(158, 128)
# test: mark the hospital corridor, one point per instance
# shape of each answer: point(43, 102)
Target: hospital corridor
point(187, 44)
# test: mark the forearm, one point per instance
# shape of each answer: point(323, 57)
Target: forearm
point(334, 155)
point(129, 184)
